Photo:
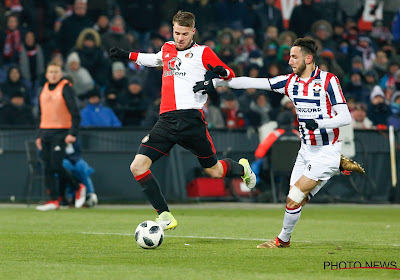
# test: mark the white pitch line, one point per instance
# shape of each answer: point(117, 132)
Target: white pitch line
point(225, 238)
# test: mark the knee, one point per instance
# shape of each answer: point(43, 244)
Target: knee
point(136, 168)
point(292, 204)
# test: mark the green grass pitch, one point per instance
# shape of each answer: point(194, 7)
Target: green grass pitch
point(212, 241)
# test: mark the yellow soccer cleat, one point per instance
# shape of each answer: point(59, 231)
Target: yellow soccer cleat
point(276, 243)
point(347, 164)
point(167, 221)
point(249, 177)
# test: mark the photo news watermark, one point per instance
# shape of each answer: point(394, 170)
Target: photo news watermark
point(338, 265)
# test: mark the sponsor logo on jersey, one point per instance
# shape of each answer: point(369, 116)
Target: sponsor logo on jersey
point(308, 110)
point(174, 67)
point(174, 64)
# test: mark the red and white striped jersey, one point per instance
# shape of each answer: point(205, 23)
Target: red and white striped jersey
point(181, 71)
point(313, 98)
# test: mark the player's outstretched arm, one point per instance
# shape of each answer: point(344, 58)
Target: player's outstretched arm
point(243, 83)
point(118, 53)
point(235, 83)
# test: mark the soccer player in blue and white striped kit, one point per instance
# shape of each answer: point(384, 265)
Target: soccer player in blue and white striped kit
point(321, 109)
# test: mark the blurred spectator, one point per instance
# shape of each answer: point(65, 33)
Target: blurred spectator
point(359, 117)
point(357, 64)
point(323, 31)
point(11, 40)
point(72, 26)
point(165, 31)
point(94, 114)
point(13, 84)
point(115, 36)
point(268, 15)
point(82, 81)
point(32, 58)
point(356, 89)
point(270, 50)
point(213, 116)
point(31, 62)
point(260, 107)
point(328, 56)
point(394, 119)
point(233, 116)
point(389, 79)
point(142, 17)
point(378, 111)
point(225, 39)
point(227, 55)
point(287, 38)
point(380, 33)
point(157, 41)
point(119, 81)
point(302, 18)
point(381, 63)
point(396, 27)
point(102, 25)
point(17, 112)
point(82, 171)
point(283, 57)
point(366, 51)
point(134, 104)
point(244, 49)
point(371, 79)
point(88, 47)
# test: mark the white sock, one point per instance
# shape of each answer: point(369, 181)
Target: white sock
point(292, 215)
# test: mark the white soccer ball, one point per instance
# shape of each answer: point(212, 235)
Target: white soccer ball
point(149, 235)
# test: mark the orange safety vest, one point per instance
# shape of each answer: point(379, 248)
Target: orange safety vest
point(54, 110)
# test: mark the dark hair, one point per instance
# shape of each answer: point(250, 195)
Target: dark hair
point(186, 19)
point(308, 46)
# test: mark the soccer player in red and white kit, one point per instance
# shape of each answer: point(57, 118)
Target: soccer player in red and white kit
point(181, 118)
point(321, 109)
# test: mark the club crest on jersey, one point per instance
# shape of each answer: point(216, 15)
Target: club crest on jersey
point(189, 55)
point(146, 138)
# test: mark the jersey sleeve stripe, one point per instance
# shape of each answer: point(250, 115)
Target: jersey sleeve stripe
point(329, 89)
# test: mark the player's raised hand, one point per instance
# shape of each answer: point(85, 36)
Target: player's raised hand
point(118, 53)
point(206, 87)
point(311, 124)
point(219, 70)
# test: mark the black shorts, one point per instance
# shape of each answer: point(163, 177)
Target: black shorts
point(187, 128)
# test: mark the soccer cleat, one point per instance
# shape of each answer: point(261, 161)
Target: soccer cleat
point(80, 196)
point(49, 205)
point(167, 221)
point(276, 243)
point(249, 177)
point(347, 164)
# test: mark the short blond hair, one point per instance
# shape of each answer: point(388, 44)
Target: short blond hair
point(186, 19)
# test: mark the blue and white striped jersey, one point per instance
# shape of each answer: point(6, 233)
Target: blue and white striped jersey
point(313, 98)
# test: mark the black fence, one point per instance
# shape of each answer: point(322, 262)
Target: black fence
point(110, 152)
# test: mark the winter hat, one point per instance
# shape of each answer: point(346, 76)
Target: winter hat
point(118, 65)
point(376, 91)
point(73, 57)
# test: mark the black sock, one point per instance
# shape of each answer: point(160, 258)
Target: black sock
point(232, 168)
point(152, 190)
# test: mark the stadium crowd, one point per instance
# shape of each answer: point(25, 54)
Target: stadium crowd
point(250, 36)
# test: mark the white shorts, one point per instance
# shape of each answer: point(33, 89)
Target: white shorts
point(318, 163)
